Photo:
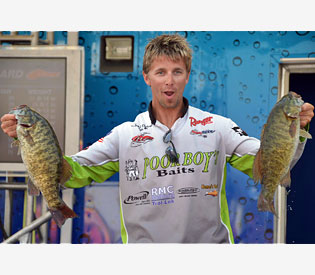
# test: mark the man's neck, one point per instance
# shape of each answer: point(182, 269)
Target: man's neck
point(168, 116)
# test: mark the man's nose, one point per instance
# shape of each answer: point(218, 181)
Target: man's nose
point(169, 79)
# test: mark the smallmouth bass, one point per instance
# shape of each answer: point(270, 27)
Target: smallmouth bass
point(279, 141)
point(43, 159)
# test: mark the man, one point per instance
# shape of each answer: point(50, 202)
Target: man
point(171, 159)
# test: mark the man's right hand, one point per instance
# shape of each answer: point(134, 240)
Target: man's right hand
point(8, 125)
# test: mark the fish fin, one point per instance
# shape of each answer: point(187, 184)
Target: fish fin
point(292, 129)
point(66, 172)
point(29, 139)
point(257, 176)
point(286, 180)
point(264, 205)
point(31, 188)
point(61, 214)
point(305, 134)
point(16, 143)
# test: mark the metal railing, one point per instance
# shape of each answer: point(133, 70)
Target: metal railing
point(25, 234)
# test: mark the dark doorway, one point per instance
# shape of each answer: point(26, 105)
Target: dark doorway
point(301, 197)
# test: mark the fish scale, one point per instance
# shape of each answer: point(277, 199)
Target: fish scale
point(43, 160)
point(279, 140)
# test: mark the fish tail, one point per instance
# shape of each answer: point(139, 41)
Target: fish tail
point(265, 204)
point(62, 213)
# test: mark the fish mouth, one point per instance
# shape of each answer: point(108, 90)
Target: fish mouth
point(26, 125)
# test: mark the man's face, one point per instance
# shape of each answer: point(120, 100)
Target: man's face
point(167, 79)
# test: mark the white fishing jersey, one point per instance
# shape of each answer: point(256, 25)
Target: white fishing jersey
point(164, 202)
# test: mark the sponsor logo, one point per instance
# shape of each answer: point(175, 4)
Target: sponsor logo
point(194, 122)
point(188, 192)
point(141, 127)
point(132, 170)
point(164, 167)
point(239, 131)
point(140, 198)
point(39, 73)
point(212, 189)
point(201, 133)
point(141, 139)
point(162, 195)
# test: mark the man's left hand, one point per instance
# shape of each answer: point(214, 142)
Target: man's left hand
point(306, 114)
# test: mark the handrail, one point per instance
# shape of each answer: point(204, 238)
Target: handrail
point(29, 228)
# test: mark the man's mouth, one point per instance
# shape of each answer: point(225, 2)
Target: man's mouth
point(169, 93)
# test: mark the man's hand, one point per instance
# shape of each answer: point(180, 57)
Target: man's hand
point(306, 114)
point(8, 125)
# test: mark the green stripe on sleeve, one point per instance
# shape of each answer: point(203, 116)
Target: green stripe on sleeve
point(84, 175)
point(243, 164)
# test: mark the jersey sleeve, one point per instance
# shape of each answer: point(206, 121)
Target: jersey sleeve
point(96, 163)
point(240, 148)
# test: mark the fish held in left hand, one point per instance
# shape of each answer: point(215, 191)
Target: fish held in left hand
point(279, 141)
point(43, 159)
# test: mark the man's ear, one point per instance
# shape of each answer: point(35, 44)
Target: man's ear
point(146, 78)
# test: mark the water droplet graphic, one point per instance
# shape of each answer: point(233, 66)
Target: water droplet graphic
point(310, 55)
point(248, 217)
point(251, 32)
point(242, 200)
point(256, 44)
point(236, 42)
point(110, 113)
point(203, 104)
point(244, 87)
point(81, 41)
point(129, 76)
point(87, 98)
point(113, 90)
point(202, 76)
point(211, 108)
point(85, 124)
point(274, 90)
point(212, 76)
point(196, 48)
point(193, 99)
point(282, 33)
point(302, 33)
point(237, 61)
point(240, 93)
point(285, 53)
point(268, 234)
point(313, 38)
point(143, 105)
point(208, 36)
point(252, 57)
point(255, 119)
point(247, 100)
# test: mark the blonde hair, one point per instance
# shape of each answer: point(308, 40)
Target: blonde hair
point(173, 46)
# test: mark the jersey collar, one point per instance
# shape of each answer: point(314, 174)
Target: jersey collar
point(153, 119)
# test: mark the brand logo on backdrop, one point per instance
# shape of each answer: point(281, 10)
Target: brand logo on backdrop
point(203, 122)
point(141, 139)
point(139, 198)
point(162, 195)
point(201, 133)
point(132, 170)
point(40, 73)
point(239, 131)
